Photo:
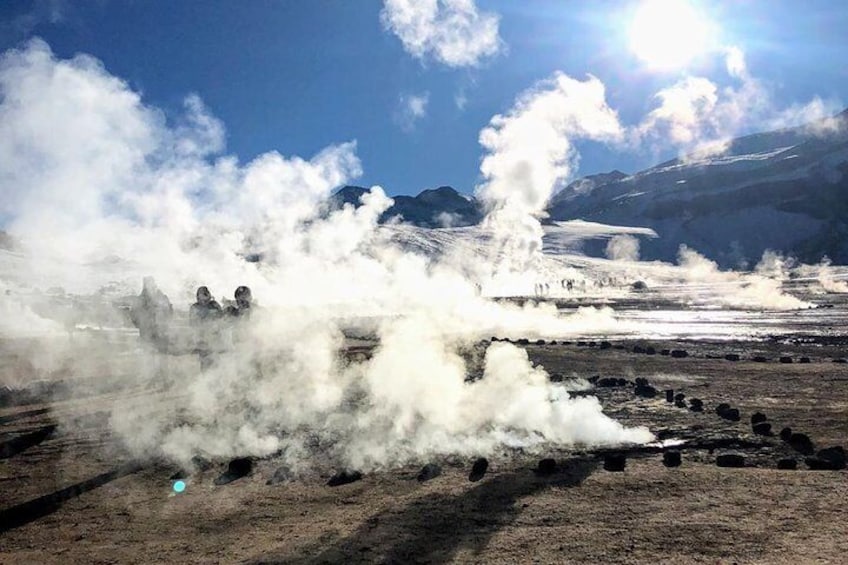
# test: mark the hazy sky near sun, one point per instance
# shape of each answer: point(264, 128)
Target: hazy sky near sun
point(415, 89)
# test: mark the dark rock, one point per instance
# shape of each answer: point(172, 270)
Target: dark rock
point(730, 460)
point(622, 382)
point(721, 408)
point(819, 464)
point(283, 474)
point(608, 382)
point(731, 414)
point(639, 286)
point(594, 379)
point(696, 405)
point(478, 470)
point(785, 434)
point(546, 467)
point(679, 396)
point(671, 459)
point(840, 360)
point(618, 347)
point(556, 377)
point(581, 344)
point(804, 360)
point(786, 359)
point(802, 443)
point(641, 381)
point(638, 349)
point(540, 342)
point(593, 344)
point(679, 353)
point(605, 345)
point(758, 417)
point(732, 357)
point(428, 472)
point(665, 352)
point(680, 403)
point(523, 341)
point(645, 391)
point(760, 359)
point(669, 395)
point(762, 429)
point(343, 478)
point(788, 464)
point(236, 469)
point(835, 455)
point(650, 351)
point(615, 462)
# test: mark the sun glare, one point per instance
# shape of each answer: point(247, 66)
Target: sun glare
point(669, 34)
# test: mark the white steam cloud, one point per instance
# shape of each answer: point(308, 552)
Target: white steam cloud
point(623, 248)
point(103, 189)
point(453, 32)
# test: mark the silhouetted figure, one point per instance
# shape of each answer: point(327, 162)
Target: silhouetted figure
point(204, 315)
point(243, 305)
point(151, 313)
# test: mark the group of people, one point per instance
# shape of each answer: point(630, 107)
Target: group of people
point(152, 314)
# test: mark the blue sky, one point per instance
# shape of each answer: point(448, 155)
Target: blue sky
point(297, 76)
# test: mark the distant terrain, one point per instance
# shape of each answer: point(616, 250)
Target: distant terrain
point(785, 190)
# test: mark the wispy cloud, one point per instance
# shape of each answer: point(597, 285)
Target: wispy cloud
point(453, 32)
point(40, 12)
point(411, 108)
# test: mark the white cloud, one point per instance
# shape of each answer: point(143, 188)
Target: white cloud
point(453, 32)
point(411, 109)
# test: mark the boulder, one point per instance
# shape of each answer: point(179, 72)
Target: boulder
point(834, 455)
point(283, 474)
point(730, 460)
point(785, 434)
point(679, 396)
point(788, 464)
point(669, 395)
point(721, 408)
point(758, 417)
point(819, 464)
point(679, 353)
point(804, 360)
point(428, 472)
point(802, 443)
point(236, 469)
point(343, 478)
point(680, 403)
point(762, 429)
point(645, 391)
point(840, 360)
point(786, 359)
point(650, 351)
point(638, 349)
point(760, 359)
point(732, 357)
point(605, 345)
point(671, 459)
point(731, 414)
point(478, 469)
point(665, 352)
point(540, 342)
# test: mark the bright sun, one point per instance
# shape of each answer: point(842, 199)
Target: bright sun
point(668, 34)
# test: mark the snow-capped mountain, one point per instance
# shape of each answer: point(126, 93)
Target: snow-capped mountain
point(785, 190)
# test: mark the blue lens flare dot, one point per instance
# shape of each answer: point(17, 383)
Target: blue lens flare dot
point(179, 486)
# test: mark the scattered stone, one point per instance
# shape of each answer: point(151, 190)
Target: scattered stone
point(594, 379)
point(788, 464)
point(730, 460)
point(696, 405)
point(645, 391)
point(665, 352)
point(840, 360)
point(804, 360)
point(615, 462)
point(566, 343)
point(680, 403)
point(679, 353)
point(546, 467)
point(605, 345)
point(428, 472)
point(343, 478)
point(608, 382)
point(760, 359)
point(523, 341)
point(819, 464)
point(834, 455)
point(622, 382)
point(540, 342)
point(641, 381)
point(236, 469)
point(639, 285)
point(593, 344)
point(650, 351)
point(638, 349)
point(802, 443)
point(556, 377)
point(671, 459)
point(283, 474)
point(723, 407)
point(786, 359)
point(478, 470)
point(679, 396)
point(731, 414)
point(785, 434)
point(762, 429)
point(618, 347)
point(732, 357)
point(758, 417)
point(669, 395)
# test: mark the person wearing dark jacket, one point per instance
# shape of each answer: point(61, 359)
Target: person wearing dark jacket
point(204, 316)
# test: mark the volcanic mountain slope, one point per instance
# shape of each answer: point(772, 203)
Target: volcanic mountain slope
point(433, 208)
point(785, 190)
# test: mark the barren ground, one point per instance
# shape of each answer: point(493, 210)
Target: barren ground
point(73, 497)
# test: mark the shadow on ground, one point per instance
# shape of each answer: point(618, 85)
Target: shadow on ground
point(434, 528)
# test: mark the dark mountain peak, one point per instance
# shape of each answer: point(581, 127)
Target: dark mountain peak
point(441, 194)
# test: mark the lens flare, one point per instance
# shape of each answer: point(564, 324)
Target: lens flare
point(668, 34)
point(179, 486)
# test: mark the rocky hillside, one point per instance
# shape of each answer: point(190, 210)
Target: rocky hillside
point(785, 190)
point(439, 207)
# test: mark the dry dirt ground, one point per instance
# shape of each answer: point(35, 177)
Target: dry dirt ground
point(73, 497)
